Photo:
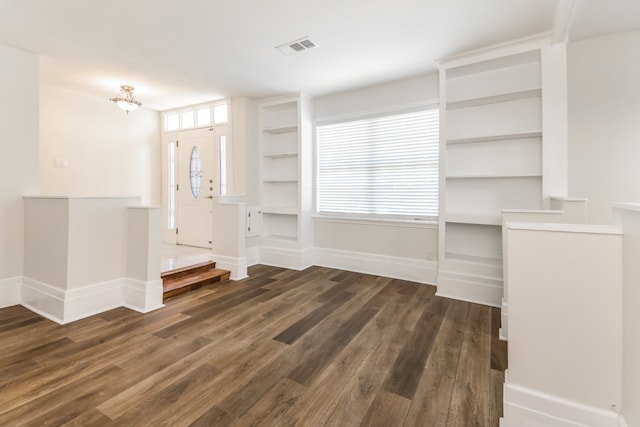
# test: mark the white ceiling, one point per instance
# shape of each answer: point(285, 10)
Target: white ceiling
point(182, 52)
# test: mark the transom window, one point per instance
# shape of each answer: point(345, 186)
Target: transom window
point(385, 166)
point(196, 116)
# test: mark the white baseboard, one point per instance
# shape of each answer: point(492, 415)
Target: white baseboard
point(65, 306)
point(142, 296)
point(44, 299)
point(413, 270)
point(504, 321)
point(525, 407)
point(237, 266)
point(476, 289)
point(286, 258)
point(10, 291)
point(253, 255)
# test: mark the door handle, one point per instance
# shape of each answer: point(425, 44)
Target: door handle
point(209, 197)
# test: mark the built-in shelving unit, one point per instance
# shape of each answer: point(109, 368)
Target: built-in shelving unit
point(285, 173)
point(492, 158)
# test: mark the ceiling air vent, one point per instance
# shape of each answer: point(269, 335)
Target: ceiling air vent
point(296, 46)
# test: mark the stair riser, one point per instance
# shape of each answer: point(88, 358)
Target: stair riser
point(193, 286)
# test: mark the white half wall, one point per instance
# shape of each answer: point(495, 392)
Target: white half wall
point(107, 152)
point(565, 325)
point(627, 216)
point(87, 255)
point(604, 130)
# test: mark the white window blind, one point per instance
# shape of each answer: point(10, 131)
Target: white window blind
point(383, 166)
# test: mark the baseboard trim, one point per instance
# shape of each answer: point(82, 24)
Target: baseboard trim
point(237, 266)
point(525, 407)
point(504, 321)
point(141, 296)
point(10, 291)
point(65, 306)
point(253, 255)
point(413, 270)
point(469, 288)
point(43, 299)
point(293, 259)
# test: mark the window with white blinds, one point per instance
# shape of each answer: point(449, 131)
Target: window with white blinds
point(383, 166)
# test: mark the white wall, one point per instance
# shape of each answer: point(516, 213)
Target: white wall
point(108, 152)
point(604, 121)
point(19, 141)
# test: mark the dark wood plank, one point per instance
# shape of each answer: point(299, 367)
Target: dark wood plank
point(430, 404)
point(302, 326)
point(387, 409)
point(402, 379)
point(470, 400)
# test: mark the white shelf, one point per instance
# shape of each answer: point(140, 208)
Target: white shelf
point(494, 99)
point(474, 259)
point(535, 175)
point(275, 238)
point(279, 181)
point(280, 155)
point(502, 118)
point(281, 149)
point(281, 129)
point(499, 137)
point(279, 210)
point(490, 218)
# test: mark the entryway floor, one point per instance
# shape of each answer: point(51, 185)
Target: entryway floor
point(177, 256)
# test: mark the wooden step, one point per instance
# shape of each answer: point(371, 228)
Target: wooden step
point(185, 279)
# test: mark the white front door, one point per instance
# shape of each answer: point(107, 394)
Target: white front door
point(198, 175)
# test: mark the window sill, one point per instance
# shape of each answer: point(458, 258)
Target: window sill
point(387, 222)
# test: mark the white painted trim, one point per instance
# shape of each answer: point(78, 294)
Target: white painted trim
point(287, 258)
point(504, 321)
point(93, 299)
point(142, 296)
point(525, 407)
point(10, 291)
point(564, 228)
point(237, 266)
point(414, 270)
point(562, 20)
point(253, 255)
point(43, 299)
point(469, 288)
point(496, 51)
point(65, 306)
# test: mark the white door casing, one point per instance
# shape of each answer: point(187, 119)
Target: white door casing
point(198, 179)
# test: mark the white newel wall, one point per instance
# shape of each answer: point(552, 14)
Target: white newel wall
point(143, 286)
point(229, 241)
point(564, 210)
point(565, 325)
point(84, 256)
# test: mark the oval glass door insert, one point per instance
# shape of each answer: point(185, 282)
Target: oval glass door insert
point(195, 172)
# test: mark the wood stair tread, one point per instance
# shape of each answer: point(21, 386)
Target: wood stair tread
point(187, 268)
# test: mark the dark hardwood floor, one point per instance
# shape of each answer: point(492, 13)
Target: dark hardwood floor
point(313, 347)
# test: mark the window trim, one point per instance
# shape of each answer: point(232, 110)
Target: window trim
point(427, 220)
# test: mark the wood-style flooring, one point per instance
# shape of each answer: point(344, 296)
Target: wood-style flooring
point(318, 347)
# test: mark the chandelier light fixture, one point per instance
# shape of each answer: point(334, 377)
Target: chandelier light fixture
point(125, 99)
